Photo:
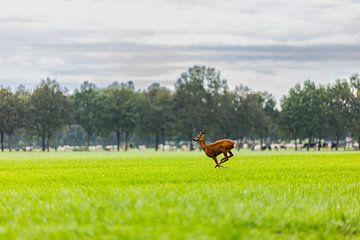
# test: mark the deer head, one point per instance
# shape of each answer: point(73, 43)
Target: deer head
point(200, 136)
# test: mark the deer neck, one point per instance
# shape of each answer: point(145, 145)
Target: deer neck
point(202, 144)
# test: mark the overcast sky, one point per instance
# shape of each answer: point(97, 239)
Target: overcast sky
point(266, 45)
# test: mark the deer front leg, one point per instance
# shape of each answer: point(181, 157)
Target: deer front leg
point(216, 162)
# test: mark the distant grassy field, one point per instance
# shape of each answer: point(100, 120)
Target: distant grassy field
point(179, 196)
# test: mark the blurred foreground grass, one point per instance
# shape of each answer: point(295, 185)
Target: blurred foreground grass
point(147, 195)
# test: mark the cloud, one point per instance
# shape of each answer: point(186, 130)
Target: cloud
point(267, 45)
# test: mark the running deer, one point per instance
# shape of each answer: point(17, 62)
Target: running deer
point(212, 150)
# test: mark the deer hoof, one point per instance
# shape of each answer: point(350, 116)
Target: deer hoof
point(219, 165)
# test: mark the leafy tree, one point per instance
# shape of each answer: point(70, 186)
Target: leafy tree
point(224, 121)
point(48, 110)
point(355, 107)
point(156, 112)
point(196, 101)
point(4, 96)
point(218, 113)
point(305, 112)
point(258, 117)
point(241, 114)
point(310, 107)
point(314, 108)
point(190, 102)
point(340, 102)
point(272, 115)
point(121, 104)
point(2, 139)
point(12, 111)
point(322, 114)
point(291, 116)
point(87, 109)
point(73, 134)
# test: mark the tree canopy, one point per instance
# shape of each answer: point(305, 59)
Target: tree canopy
point(50, 115)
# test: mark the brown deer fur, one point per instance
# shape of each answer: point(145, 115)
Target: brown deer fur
point(212, 150)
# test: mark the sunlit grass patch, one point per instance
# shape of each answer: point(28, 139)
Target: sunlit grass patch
point(179, 195)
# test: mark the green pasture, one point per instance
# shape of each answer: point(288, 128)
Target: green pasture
point(147, 195)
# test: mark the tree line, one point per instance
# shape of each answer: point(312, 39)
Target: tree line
point(50, 115)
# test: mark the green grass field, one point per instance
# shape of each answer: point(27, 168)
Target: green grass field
point(179, 196)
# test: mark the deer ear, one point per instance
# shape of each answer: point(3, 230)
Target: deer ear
point(202, 131)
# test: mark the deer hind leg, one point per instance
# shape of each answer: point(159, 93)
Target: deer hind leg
point(225, 158)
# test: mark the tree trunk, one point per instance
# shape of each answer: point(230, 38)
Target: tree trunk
point(9, 141)
point(239, 145)
point(2, 140)
point(319, 143)
point(163, 136)
point(308, 146)
point(261, 142)
point(191, 141)
point(156, 141)
point(43, 142)
point(55, 143)
point(358, 143)
point(337, 142)
point(88, 140)
point(48, 143)
point(118, 140)
point(296, 144)
point(126, 141)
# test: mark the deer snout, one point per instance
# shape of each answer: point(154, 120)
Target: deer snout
point(194, 139)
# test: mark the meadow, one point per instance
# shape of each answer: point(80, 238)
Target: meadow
point(179, 195)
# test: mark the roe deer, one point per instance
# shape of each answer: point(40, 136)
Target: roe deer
point(212, 150)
